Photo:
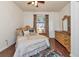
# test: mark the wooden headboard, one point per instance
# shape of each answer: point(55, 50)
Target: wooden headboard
point(20, 30)
point(26, 28)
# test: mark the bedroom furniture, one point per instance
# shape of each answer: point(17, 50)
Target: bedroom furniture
point(36, 3)
point(63, 37)
point(20, 31)
point(41, 24)
point(58, 47)
point(28, 45)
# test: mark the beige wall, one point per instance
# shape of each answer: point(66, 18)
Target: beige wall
point(10, 19)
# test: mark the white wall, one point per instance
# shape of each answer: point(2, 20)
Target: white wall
point(57, 21)
point(58, 17)
point(10, 19)
point(28, 20)
point(65, 11)
point(75, 29)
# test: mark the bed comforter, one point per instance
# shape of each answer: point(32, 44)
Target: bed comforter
point(29, 45)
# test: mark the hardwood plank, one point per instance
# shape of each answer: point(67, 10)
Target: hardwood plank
point(9, 52)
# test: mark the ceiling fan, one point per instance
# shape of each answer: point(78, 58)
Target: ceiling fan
point(35, 3)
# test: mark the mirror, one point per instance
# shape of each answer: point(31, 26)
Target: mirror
point(66, 23)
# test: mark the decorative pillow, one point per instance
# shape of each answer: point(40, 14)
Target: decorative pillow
point(31, 31)
point(26, 32)
point(19, 32)
point(22, 31)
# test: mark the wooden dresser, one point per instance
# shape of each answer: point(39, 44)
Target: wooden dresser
point(63, 38)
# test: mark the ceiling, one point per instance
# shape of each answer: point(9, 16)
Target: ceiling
point(48, 6)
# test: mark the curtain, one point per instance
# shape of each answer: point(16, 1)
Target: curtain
point(34, 22)
point(47, 25)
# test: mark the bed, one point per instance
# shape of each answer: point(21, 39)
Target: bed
point(29, 45)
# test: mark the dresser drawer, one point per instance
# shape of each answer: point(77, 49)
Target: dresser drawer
point(64, 39)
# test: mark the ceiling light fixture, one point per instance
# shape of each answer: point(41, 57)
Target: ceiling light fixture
point(35, 3)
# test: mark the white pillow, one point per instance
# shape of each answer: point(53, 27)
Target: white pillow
point(26, 32)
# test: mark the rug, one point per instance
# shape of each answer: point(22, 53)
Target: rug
point(47, 53)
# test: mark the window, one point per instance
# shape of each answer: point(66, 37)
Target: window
point(40, 23)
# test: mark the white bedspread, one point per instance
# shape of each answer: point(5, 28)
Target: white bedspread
point(30, 45)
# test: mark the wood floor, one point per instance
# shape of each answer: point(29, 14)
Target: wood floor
point(9, 52)
point(56, 46)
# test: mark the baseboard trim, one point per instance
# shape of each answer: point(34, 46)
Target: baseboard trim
point(1, 50)
point(51, 38)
